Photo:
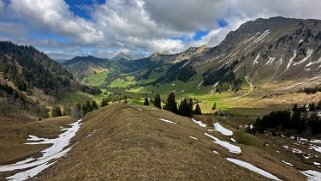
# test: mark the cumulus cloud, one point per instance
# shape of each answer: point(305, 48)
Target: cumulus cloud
point(140, 26)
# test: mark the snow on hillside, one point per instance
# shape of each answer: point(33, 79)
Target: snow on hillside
point(55, 151)
point(232, 148)
point(252, 168)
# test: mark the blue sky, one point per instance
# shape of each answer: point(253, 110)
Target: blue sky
point(104, 28)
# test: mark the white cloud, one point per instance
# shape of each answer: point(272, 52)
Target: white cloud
point(56, 17)
point(134, 26)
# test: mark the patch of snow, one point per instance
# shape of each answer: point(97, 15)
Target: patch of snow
point(252, 168)
point(232, 139)
point(287, 163)
point(309, 53)
point(308, 156)
point(218, 127)
point(215, 84)
point(300, 41)
point(315, 141)
point(316, 163)
point(277, 151)
point(271, 59)
point(139, 109)
point(128, 109)
point(199, 85)
point(29, 173)
point(256, 59)
point(237, 68)
point(312, 63)
point(286, 147)
point(200, 123)
point(312, 175)
point(294, 150)
point(167, 121)
point(247, 40)
point(263, 35)
point(173, 84)
point(291, 60)
point(232, 148)
point(55, 151)
point(215, 152)
point(316, 148)
point(193, 137)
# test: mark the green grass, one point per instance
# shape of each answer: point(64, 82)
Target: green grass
point(96, 80)
point(123, 82)
point(72, 98)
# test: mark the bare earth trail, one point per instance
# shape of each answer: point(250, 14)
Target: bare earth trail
point(249, 92)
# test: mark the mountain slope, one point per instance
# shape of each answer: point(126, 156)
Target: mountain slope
point(82, 67)
point(124, 141)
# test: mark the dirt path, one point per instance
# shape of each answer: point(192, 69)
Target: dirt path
point(249, 92)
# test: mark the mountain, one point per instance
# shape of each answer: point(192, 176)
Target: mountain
point(82, 67)
point(29, 78)
point(122, 56)
point(271, 51)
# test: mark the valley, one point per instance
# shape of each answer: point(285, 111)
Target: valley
point(91, 118)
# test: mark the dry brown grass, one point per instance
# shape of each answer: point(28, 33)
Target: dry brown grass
point(135, 145)
point(13, 135)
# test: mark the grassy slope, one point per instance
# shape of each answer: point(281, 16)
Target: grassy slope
point(123, 82)
point(96, 80)
point(13, 135)
point(136, 145)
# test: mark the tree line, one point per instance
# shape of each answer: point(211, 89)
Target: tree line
point(300, 119)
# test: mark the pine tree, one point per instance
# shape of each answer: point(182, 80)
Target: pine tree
point(184, 108)
point(84, 109)
point(104, 102)
point(190, 104)
point(56, 111)
point(171, 103)
point(312, 107)
point(94, 105)
point(214, 106)
point(146, 102)
point(315, 124)
point(88, 106)
point(125, 99)
point(198, 110)
point(157, 101)
point(295, 107)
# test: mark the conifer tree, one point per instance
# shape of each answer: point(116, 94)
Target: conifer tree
point(94, 105)
point(184, 108)
point(146, 102)
point(214, 106)
point(104, 102)
point(198, 110)
point(56, 111)
point(171, 103)
point(157, 101)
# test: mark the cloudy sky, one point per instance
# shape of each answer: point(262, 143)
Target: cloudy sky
point(103, 28)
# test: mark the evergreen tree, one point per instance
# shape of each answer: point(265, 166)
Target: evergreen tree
point(104, 102)
point(315, 124)
point(184, 108)
point(198, 110)
point(125, 99)
point(190, 103)
point(88, 106)
point(312, 107)
point(214, 106)
point(84, 109)
point(171, 103)
point(56, 111)
point(319, 105)
point(157, 101)
point(146, 102)
point(94, 105)
point(295, 107)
